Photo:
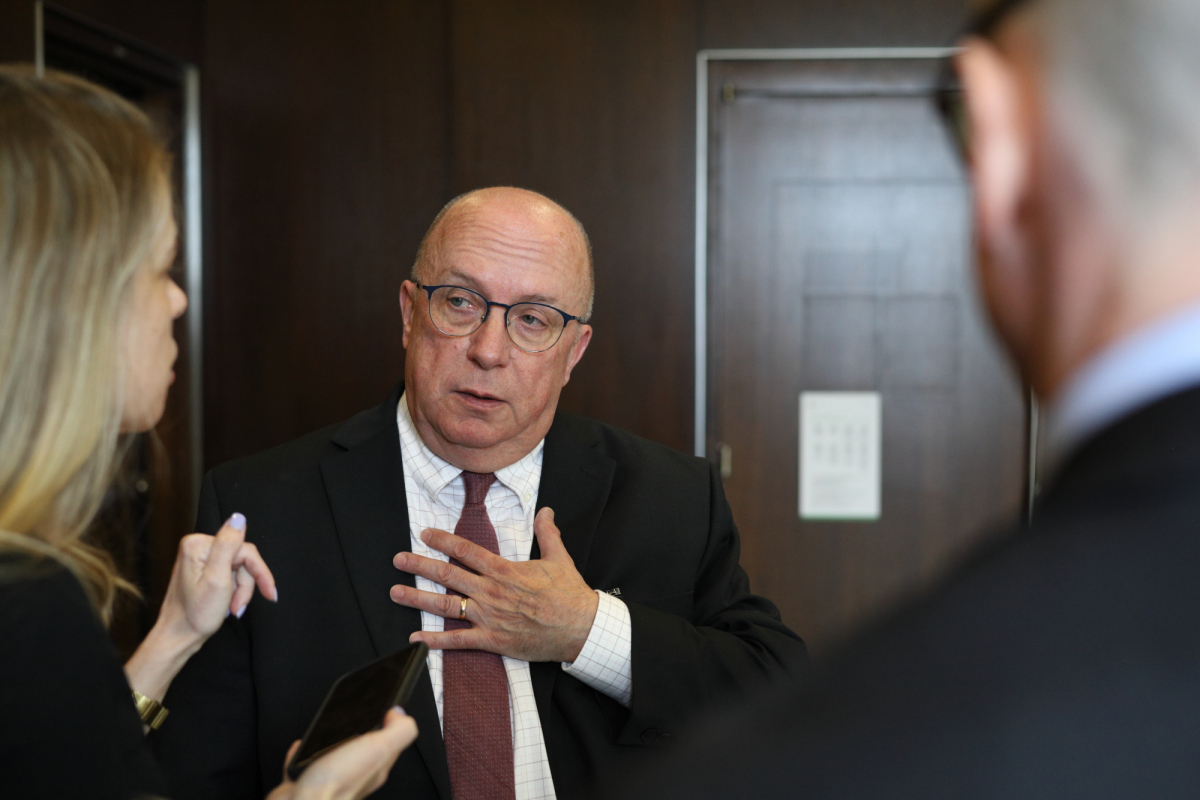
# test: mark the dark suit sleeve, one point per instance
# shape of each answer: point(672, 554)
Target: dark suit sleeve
point(210, 751)
point(732, 643)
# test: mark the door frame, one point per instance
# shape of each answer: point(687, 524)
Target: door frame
point(703, 59)
point(192, 218)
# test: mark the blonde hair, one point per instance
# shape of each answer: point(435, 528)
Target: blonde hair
point(83, 177)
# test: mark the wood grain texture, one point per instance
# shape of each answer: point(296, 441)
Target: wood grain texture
point(592, 104)
point(831, 23)
point(840, 261)
point(327, 133)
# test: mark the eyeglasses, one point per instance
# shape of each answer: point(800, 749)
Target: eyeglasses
point(533, 327)
point(949, 92)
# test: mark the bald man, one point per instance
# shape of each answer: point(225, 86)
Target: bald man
point(1063, 659)
point(579, 587)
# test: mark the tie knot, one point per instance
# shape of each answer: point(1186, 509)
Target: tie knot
point(477, 486)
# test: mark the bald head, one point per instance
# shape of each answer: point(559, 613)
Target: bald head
point(516, 223)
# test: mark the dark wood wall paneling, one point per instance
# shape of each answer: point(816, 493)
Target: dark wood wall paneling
point(592, 104)
point(328, 135)
point(334, 132)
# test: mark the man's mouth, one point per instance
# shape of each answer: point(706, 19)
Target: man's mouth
point(471, 395)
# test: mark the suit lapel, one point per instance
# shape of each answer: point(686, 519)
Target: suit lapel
point(365, 488)
point(576, 479)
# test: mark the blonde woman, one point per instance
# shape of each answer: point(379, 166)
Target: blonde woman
point(87, 236)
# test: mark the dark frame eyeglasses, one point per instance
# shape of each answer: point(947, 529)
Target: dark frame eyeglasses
point(949, 93)
point(527, 343)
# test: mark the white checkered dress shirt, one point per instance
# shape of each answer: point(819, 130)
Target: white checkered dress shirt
point(436, 493)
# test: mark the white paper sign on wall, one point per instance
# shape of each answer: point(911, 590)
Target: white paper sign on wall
point(840, 443)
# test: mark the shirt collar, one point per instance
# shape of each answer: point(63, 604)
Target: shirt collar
point(1159, 360)
point(522, 477)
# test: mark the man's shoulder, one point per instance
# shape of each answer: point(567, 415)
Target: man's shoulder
point(628, 450)
point(304, 454)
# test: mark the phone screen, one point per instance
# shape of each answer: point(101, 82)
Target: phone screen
point(358, 702)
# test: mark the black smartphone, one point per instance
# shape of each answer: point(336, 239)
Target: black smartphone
point(357, 703)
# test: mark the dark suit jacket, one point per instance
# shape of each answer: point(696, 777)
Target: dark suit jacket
point(1062, 661)
point(328, 513)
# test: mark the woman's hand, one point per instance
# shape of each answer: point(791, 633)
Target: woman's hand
point(354, 769)
point(214, 576)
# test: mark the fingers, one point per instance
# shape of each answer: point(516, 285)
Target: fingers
point(242, 594)
point(440, 572)
point(398, 732)
point(401, 728)
point(358, 767)
point(248, 558)
point(444, 605)
point(224, 547)
point(288, 759)
point(466, 552)
point(548, 535)
point(462, 639)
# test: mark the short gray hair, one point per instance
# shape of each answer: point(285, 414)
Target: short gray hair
point(1125, 85)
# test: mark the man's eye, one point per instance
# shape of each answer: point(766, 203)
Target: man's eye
point(530, 321)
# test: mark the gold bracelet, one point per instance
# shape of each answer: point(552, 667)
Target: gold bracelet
point(151, 711)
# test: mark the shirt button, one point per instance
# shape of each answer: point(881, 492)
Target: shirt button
point(665, 738)
point(649, 735)
point(528, 495)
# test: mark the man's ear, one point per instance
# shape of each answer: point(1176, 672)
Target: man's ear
point(408, 303)
point(577, 350)
point(1001, 144)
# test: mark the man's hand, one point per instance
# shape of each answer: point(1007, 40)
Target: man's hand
point(539, 610)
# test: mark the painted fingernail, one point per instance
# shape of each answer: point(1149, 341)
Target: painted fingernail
point(275, 599)
point(237, 522)
point(400, 709)
point(227, 613)
point(241, 611)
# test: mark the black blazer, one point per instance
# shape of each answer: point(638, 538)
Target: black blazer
point(68, 727)
point(328, 513)
point(1062, 661)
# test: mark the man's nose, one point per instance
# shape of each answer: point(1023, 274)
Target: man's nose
point(490, 344)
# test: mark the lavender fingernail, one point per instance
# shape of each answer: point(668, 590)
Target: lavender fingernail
point(241, 611)
point(237, 522)
point(400, 709)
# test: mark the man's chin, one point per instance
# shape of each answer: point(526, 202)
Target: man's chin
point(476, 434)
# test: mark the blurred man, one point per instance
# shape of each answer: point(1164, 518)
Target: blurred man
point(1064, 660)
point(594, 601)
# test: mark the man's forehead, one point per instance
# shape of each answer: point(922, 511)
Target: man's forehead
point(521, 225)
point(479, 241)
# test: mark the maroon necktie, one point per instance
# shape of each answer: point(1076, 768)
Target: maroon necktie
point(475, 717)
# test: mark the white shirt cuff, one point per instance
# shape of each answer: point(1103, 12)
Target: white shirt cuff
point(606, 661)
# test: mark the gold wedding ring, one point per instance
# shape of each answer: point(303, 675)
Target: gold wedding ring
point(462, 608)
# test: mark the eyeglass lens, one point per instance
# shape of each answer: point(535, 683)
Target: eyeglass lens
point(460, 312)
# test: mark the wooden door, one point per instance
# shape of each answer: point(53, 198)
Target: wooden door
point(839, 244)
